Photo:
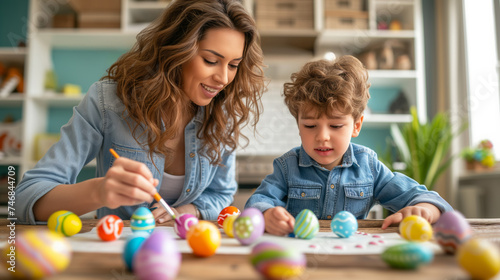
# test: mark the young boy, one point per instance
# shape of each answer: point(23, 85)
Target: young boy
point(328, 174)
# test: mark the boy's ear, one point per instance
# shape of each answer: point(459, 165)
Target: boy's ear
point(357, 126)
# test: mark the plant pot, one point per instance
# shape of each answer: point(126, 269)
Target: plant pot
point(477, 166)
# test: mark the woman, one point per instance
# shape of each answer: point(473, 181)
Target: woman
point(172, 108)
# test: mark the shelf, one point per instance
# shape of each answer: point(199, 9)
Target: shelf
point(387, 119)
point(13, 99)
point(58, 99)
point(361, 37)
point(148, 5)
point(10, 161)
point(12, 55)
point(87, 38)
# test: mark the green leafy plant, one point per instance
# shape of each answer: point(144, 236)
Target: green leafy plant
point(424, 148)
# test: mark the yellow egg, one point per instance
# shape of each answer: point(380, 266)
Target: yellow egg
point(65, 222)
point(227, 225)
point(480, 258)
point(415, 228)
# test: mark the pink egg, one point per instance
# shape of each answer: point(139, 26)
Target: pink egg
point(158, 258)
point(249, 226)
point(183, 223)
point(451, 230)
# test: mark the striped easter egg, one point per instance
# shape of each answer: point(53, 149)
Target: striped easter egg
point(226, 212)
point(306, 225)
point(142, 220)
point(273, 261)
point(415, 228)
point(109, 227)
point(344, 224)
point(451, 230)
point(65, 222)
point(38, 253)
point(157, 258)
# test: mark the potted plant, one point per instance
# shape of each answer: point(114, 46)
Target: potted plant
point(422, 149)
point(481, 157)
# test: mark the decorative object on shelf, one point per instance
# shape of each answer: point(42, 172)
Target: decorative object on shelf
point(395, 25)
point(279, 14)
point(423, 147)
point(382, 25)
point(481, 157)
point(72, 90)
point(50, 83)
point(400, 104)
point(64, 20)
point(13, 81)
point(369, 59)
point(10, 139)
point(386, 55)
point(97, 13)
point(403, 62)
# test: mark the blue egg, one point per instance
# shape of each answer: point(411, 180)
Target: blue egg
point(142, 220)
point(407, 255)
point(306, 225)
point(344, 224)
point(132, 245)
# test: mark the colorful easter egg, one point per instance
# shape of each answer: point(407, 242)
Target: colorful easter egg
point(273, 261)
point(480, 258)
point(183, 223)
point(407, 255)
point(306, 225)
point(132, 245)
point(142, 220)
point(157, 258)
point(65, 222)
point(109, 228)
point(451, 230)
point(249, 226)
point(415, 228)
point(204, 238)
point(228, 225)
point(344, 224)
point(226, 212)
point(37, 254)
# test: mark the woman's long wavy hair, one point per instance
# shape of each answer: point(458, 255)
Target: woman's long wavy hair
point(149, 80)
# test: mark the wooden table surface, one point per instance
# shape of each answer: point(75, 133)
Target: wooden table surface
point(111, 266)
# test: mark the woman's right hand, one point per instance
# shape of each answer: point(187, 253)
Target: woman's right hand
point(127, 182)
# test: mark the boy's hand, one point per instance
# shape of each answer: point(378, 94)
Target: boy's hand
point(278, 221)
point(425, 210)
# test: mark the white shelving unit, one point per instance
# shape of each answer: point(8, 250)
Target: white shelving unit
point(285, 52)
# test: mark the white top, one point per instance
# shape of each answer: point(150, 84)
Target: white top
point(171, 187)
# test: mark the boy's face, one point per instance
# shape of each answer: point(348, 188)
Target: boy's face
point(326, 139)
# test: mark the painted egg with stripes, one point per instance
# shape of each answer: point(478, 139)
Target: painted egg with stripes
point(249, 226)
point(65, 222)
point(37, 254)
point(228, 225)
point(157, 258)
point(415, 228)
point(109, 228)
point(408, 255)
point(451, 230)
point(306, 225)
point(183, 223)
point(344, 224)
point(142, 220)
point(274, 261)
point(226, 212)
point(132, 245)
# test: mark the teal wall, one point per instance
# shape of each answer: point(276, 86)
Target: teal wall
point(13, 22)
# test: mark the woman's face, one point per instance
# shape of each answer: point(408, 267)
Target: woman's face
point(214, 66)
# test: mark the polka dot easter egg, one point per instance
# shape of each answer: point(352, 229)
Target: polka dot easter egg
point(415, 228)
point(204, 238)
point(480, 258)
point(132, 245)
point(451, 230)
point(65, 222)
point(226, 212)
point(407, 255)
point(157, 258)
point(228, 225)
point(183, 223)
point(306, 225)
point(249, 226)
point(38, 254)
point(142, 220)
point(109, 228)
point(344, 224)
point(276, 262)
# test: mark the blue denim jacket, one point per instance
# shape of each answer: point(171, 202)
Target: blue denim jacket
point(98, 124)
point(298, 182)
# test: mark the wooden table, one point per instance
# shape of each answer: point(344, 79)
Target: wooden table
point(111, 266)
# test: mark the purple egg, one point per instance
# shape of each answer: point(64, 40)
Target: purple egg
point(183, 223)
point(451, 230)
point(249, 226)
point(158, 258)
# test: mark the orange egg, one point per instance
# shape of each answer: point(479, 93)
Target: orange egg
point(203, 238)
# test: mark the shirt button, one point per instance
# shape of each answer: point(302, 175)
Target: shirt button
point(191, 155)
point(188, 190)
point(361, 193)
point(328, 217)
point(332, 186)
point(303, 194)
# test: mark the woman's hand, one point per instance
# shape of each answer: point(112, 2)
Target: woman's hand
point(425, 210)
point(161, 215)
point(127, 182)
point(278, 221)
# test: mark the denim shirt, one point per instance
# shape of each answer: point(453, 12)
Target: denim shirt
point(99, 123)
point(298, 182)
